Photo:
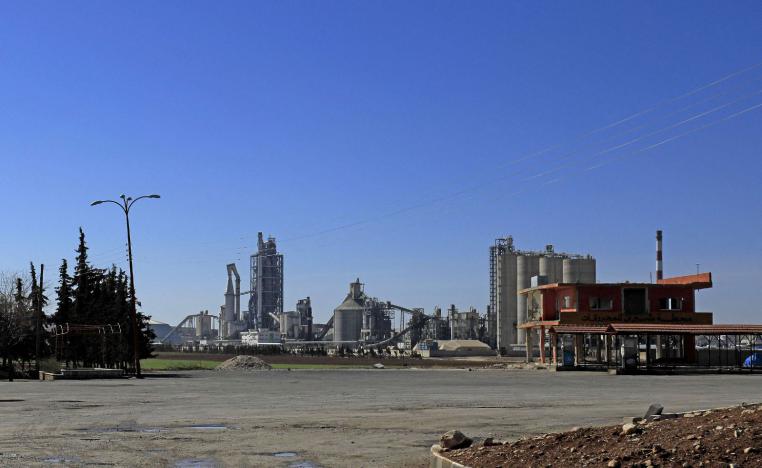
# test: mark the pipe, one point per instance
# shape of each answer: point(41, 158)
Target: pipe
point(659, 264)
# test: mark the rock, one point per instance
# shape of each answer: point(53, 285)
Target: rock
point(491, 442)
point(628, 429)
point(615, 463)
point(378, 365)
point(632, 420)
point(653, 410)
point(454, 439)
point(691, 437)
point(748, 450)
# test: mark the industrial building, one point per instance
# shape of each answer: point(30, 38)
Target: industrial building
point(266, 294)
point(511, 271)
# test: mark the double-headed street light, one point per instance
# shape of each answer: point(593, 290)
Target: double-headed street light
point(125, 204)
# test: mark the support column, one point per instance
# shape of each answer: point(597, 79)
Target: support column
point(528, 343)
point(579, 341)
point(659, 346)
point(542, 344)
point(598, 348)
point(554, 348)
point(689, 348)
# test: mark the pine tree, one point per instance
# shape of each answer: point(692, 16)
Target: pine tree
point(65, 304)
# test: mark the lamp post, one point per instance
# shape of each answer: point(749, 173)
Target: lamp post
point(125, 204)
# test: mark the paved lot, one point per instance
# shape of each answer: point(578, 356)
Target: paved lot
point(324, 418)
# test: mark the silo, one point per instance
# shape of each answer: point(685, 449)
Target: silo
point(586, 270)
point(570, 270)
point(506, 301)
point(348, 317)
point(527, 265)
point(347, 324)
point(552, 268)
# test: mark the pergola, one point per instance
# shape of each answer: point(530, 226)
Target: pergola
point(653, 346)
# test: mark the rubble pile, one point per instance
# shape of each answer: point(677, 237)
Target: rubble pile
point(243, 363)
point(730, 437)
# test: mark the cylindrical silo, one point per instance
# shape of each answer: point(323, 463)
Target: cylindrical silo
point(526, 267)
point(551, 267)
point(347, 324)
point(586, 270)
point(570, 271)
point(506, 301)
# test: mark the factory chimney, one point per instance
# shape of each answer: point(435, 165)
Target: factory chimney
point(659, 265)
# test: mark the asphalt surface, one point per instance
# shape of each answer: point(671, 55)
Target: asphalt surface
point(321, 418)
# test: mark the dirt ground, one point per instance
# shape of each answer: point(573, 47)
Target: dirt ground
point(325, 418)
point(713, 438)
point(476, 362)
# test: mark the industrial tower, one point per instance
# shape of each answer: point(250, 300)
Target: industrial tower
point(266, 299)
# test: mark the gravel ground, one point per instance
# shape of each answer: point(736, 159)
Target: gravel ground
point(327, 418)
point(721, 438)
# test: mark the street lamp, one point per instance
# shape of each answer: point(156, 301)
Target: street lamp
point(125, 204)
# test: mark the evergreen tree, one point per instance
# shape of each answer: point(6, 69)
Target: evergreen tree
point(64, 301)
point(98, 297)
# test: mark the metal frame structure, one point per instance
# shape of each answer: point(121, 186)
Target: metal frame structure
point(266, 297)
point(67, 329)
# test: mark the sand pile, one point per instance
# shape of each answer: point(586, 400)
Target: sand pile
point(243, 363)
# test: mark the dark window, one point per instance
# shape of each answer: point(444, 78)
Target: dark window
point(601, 303)
point(671, 303)
point(635, 301)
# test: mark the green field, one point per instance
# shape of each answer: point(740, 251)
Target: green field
point(177, 364)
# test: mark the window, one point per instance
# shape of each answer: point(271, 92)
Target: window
point(671, 303)
point(634, 300)
point(568, 302)
point(601, 303)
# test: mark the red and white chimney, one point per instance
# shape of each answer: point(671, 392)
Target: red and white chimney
point(659, 265)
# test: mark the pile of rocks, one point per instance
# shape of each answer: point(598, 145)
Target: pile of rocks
point(243, 363)
point(728, 437)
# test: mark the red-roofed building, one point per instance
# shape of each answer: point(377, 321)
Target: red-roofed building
point(592, 323)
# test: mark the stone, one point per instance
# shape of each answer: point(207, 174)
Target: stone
point(653, 410)
point(378, 365)
point(454, 439)
point(615, 463)
point(632, 420)
point(628, 429)
point(748, 450)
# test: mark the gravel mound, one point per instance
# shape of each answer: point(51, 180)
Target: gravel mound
point(243, 363)
point(721, 437)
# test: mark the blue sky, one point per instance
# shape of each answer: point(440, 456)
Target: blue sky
point(380, 140)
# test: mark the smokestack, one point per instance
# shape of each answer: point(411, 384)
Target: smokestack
point(659, 265)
